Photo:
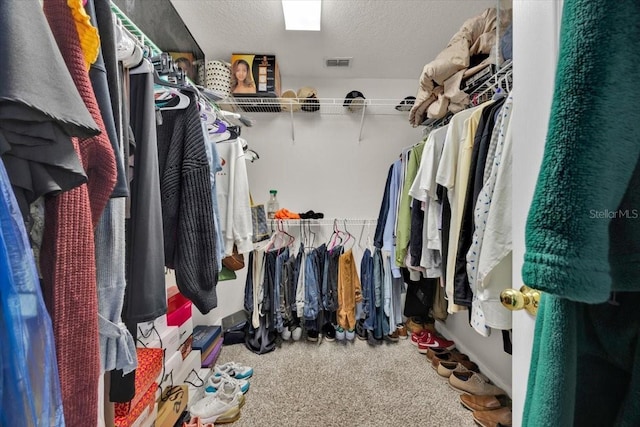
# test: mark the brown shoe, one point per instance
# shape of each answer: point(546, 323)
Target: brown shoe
point(445, 369)
point(402, 332)
point(494, 418)
point(414, 326)
point(483, 403)
point(433, 351)
point(451, 356)
point(473, 383)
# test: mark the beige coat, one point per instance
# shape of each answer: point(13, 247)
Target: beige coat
point(439, 86)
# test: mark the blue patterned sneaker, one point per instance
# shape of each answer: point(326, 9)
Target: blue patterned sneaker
point(234, 370)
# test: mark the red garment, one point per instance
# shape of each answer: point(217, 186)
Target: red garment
point(68, 258)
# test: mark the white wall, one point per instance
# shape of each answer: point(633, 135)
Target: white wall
point(326, 169)
point(535, 50)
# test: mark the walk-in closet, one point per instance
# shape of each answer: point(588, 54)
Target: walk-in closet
point(319, 213)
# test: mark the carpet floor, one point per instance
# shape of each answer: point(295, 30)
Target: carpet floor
point(353, 384)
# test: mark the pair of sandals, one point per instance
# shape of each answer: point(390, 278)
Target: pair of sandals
point(311, 215)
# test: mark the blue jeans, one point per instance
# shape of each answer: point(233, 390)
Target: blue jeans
point(278, 291)
point(368, 290)
point(311, 290)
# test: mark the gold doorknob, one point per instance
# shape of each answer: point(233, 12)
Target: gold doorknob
point(526, 298)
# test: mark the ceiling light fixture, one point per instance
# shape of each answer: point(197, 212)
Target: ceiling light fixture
point(302, 15)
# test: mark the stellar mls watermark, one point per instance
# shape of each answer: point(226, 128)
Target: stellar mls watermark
point(618, 213)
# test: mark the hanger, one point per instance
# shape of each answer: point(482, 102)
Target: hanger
point(349, 235)
point(279, 232)
point(169, 94)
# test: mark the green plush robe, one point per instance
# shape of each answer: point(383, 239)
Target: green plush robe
point(583, 230)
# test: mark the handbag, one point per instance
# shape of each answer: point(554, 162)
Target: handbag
point(218, 77)
point(235, 261)
point(259, 222)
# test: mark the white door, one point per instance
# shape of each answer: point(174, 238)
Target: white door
point(536, 27)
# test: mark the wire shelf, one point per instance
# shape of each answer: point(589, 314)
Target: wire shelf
point(323, 106)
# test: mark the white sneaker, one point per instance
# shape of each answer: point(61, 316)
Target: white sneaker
point(296, 334)
point(215, 382)
point(234, 370)
point(220, 407)
point(286, 334)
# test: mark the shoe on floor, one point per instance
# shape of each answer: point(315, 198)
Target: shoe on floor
point(216, 381)
point(393, 336)
point(350, 335)
point(340, 334)
point(361, 332)
point(433, 351)
point(473, 383)
point(414, 325)
point(450, 356)
point(493, 418)
point(483, 403)
point(329, 332)
point(218, 408)
point(312, 335)
point(234, 370)
point(445, 369)
point(434, 341)
point(402, 332)
point(286, 334)
point(196, 422)
point(416, 337)
point(296, 334)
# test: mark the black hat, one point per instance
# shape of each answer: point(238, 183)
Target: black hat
point(406, 104)
point(354, 100)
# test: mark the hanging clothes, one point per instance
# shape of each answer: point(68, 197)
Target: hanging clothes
point(489, 257)
point(452, 174)
point(68, 251)
point(29, 384)
point(232, 187)
point(187, 206)
point(145, 295)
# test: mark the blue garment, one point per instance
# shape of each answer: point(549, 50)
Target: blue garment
point(278, 291)
point(389, 237)
point(381, 326)
point(384, 212)
point(311, 292)
point(368, 290)
point(29, 382)
point(215, 166)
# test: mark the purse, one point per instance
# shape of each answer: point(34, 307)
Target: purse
point(259, 222)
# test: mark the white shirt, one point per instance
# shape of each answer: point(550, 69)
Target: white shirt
point(232, 187)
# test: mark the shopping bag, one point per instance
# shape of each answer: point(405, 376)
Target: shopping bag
point(259, 221)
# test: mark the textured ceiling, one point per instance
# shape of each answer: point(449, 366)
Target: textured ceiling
point(386, 38)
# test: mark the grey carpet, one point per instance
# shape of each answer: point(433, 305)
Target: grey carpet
point(336, 384)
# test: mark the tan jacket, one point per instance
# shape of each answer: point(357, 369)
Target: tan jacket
point(439, 86)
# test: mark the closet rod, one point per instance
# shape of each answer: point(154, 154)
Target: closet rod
point(133, 29)
point(326, 221)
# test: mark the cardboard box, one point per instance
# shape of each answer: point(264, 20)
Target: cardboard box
point(171, 405)
point(185, 347)
point(127, 416)
point(147, 418)
point(196, 389)
point(191, 363)
point(185, 331)
point(212, 357)
point(203, 336)
point(146, 328)
point(172, 364)
point(253, 73)
point(168, 340)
